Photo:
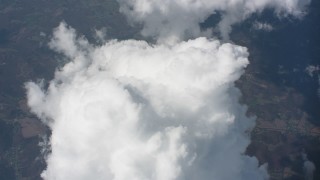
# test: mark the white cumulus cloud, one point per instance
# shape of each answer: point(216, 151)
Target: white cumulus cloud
point(130, 110)
point(170, 20)
point(166, 111)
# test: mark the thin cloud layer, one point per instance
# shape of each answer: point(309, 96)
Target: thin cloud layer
point(130, 110)
point(308, 167)
point(169, 20)
point(262, 26)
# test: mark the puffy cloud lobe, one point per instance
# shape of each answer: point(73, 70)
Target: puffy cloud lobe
point(171, 21)
point(131, 110)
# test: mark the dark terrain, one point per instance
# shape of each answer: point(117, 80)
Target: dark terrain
point(25, 30)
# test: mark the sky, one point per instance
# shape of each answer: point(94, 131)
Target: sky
point(167, 110)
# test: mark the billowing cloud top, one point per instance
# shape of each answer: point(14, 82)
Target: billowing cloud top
point(130, 110)
point(139, 111)
point(171, 20)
